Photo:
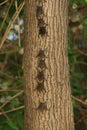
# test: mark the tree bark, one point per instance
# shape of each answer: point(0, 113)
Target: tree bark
point(47, 90)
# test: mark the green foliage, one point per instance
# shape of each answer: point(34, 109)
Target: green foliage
point(78, 75)
point(85, 1)
point(12, 125)
point(77, 54)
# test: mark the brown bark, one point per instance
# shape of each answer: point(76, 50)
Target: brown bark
point(47, 91)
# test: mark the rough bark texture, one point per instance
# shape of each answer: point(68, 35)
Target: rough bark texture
point(47, 91)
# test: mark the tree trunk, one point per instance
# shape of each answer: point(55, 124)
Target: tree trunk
point(47, 91)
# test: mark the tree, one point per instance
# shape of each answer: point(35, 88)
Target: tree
point(47, 90)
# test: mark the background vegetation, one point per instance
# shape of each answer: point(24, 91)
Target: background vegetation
point(11, 67)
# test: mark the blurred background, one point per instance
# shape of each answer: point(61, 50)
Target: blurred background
point(11, 67)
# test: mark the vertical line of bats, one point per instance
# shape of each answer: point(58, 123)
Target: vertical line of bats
point(41, 65)
point(41, 77)
point(40, 18)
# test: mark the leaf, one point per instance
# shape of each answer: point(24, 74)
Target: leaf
point(19, 119)
point(85, 1)
point(78, 75)
point(73, 102)
point(12, 125)
point(85, 21)
point(75, 85)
